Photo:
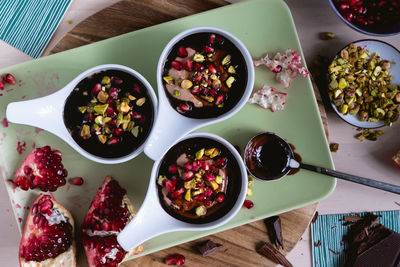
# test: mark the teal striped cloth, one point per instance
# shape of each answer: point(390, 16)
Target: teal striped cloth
point(29, 24)
point(330, 231)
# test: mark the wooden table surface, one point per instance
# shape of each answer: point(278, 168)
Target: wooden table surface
point(129, 15)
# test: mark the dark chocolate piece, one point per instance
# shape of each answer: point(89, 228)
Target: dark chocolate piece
point(274, 227)
point(270, 252)
point(368, 239)
point(334, 252)
point(314, 219)
point(351, 218)
point(317, 244)
point(384, 253)
point(208, 247)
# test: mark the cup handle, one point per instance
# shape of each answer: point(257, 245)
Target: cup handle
point(168, 128)
point(44, 112)
point(151, 220)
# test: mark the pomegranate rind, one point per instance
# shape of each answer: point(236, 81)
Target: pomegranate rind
point(88, 233)
point(67, 258)
point(396, 159)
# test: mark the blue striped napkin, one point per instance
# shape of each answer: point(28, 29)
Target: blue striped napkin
point(29, 24)
point(329, 230)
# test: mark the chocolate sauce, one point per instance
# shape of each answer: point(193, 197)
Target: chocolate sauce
point(268, 156)
point(233, 95)
point(82, 95)
point(231, 189)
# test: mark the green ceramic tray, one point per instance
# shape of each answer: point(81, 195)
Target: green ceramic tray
point(262, 25)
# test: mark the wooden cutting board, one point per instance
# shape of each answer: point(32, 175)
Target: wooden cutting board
point(239, 243)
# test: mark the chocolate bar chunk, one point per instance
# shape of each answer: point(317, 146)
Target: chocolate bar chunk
point(269, 251)
point(275, 230)
point(208, 247)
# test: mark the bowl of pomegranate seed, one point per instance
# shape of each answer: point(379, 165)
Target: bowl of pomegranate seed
point(106, 113)
point(372, 17)
point(199, 184)
point(204, 75)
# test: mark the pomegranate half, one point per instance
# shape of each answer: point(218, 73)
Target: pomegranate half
point(48, 237)
point(108, 214)
point(42, 169)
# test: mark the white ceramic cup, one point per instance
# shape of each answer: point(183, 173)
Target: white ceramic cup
point(47, 112)
point(152, 220)
point(170, 125)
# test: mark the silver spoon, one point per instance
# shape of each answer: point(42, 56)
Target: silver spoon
point(269, 157)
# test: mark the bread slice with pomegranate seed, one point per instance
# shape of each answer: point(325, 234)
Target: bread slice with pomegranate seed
point(48, 237)
point(108, 214)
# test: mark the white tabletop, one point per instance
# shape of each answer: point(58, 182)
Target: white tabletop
point(368, 159)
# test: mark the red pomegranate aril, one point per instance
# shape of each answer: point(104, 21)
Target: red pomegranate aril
point(277, 69)
point(200, 197)
point(198, 67)
point(196, 90)
point(188, 166)
point(90, 116)
point(208, 49)
point(209, 177)
point(27, 170)
point(212, 68)
point(170, 260)
point(182, 52)
point(113, 93)
point(220, 197)
point(142, 119)
point(176, 65)
point(184, 107)
point(188, 65)
point(211, 38)
point(110, 111)
point(197, 78)
point(2, 84)
point(187, 175)
point(170, 186)
point(180, 259)
point(173, 169)
point(9, 78)
point(248, 204)
point(113, 141)
point(136, 88)
point(205, 165)
point(45, 206)
point(96, 89)
point(117, 131)
point(344, 6)
point(219, 100)
point(136, 115)
point(208, 192)
point(178, 193)
point(77, 181)
point(212, 92)
point(221, 162)
point(116, 80)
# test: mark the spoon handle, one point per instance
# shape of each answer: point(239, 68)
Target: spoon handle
point(353, 178)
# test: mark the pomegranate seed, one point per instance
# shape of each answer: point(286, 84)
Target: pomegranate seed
point(248, 204)
point(117, 131)
point(220, 197)
point(113, 93)
point(136, 115)
point(2, 84)
point(198, 67)
point(200, 197)
point(196, 165)
point(173, 169)
point(182, 52)
point(77, 181)
point(197, 78)
point(220, 40)
point(176, 65)
point(208, 49)
point(221, 162)
point(212, 69)
point(116, 80)
point(27, 170)
point(142, 119)
point(209, 177)
point(187, 175)
point(170, 186)
point(96, 89)
point(211, 38)
point(180, 259)
point(136, 88)
point(184, 107)
point(188, 65)
point(188, 166)
point(213, 92)
point(208, 192)
point(113, 141)
point(178, 193)
point(219, 99)
point(205, 165)
point(45, 206)
point(195, 90)
point(9, 78)
point(170, 260)
point(344, 6)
